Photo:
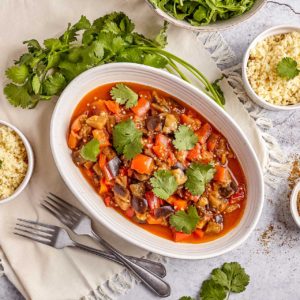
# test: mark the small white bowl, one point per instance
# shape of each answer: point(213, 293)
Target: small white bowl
point(30, 158)
point(219, 25)
point(159, 79)
point(257, 99)
point(293, 203)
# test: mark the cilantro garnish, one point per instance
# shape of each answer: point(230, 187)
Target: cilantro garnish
point(185, 221)
point(185, 138)
point(198, 176)
point(127, 139)
point(124, 95)
point(91, 150)
point(287, 68)
point(46, 68)
point(164, 184)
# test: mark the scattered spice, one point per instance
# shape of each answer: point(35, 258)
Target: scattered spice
point(295, 172)
point(266, 237)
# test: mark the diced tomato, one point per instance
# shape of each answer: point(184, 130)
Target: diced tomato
point(206, 156)
point(195, 153)
point(113, 106)
point(172, 199)
point(180, 204)
point(146, 95)
point(213, 141)
point(171, 159)
point(103, 187)
point(76, 125)
point(129, 212)
point(161, 147)
point(102, 161)
point(238, 195)
point(199, 233)
point(97, 107)
point(142, 164)
point(154, 221)
point(203, 133)
point(102, 136)
point(163, 140)
point(107, 201)
point(160, 151)
point(189, 120)
point(72, 140)
point(222, 174)
point(153, 201)
point(142, 107)
point(180, 236)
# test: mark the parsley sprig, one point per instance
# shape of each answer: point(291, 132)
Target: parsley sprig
point(288, 68)
point(164, 184)
point(185, 138)
point(198, 175)
point(124, 95)
point(127, 139)
point(230, 278)
point(45, 69)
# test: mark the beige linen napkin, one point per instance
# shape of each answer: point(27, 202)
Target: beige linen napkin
point(41, 272)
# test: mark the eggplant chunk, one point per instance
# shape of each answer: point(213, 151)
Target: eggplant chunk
point(139, 204)
point(98, 122)
point(141, 177)
point(170, 124)
point(214, 227)
point(179, 176)
point(137, 189)
point(122, 196)
point(160, 108)
point(163, 211)
point(226, 191)
point(77, 158)
point(216, 201)
point(114, 165)
point(154, 123)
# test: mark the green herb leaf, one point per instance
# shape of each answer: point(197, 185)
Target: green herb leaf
point(124, 95)
point(36, 84)
point(198, 176)
point(18, 74)
point(91, 150)
point(161, 38)
point(127, 139)
point(54, 84)
point(18, 96)
point(287, 68)
point(185, 221)
point(186, 298)
point(164, 184)
point(211, 290)
point(185, 138)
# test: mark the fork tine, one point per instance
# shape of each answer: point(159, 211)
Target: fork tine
point(66, 212)
point(66, 204)
point(47, 231)
point(52, 227)
point(54, 211)
point(32, 238)
point(48, 238)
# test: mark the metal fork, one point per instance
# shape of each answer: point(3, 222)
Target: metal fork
point(81, 224)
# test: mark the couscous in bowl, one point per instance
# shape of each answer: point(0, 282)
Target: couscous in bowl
point(18, 167)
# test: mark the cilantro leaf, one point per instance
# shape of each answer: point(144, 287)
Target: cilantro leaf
point(185, 138)
point(127, 139)
point(185, 221)
point(198, 175)
point(161, 38)
point(287, 68)
point(186, 298)
point(18, 96)
point(18, 74)
point(36, 84)
point(54, 84)
point(211, 290)
point(91, 150)
point(155, 60)
point(124, 95)
point(164, 184)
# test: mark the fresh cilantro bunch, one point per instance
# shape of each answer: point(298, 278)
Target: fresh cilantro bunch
point(230, 278)
point(185, 221)
point(288, 68)
point(127, 139)
point(45, 69)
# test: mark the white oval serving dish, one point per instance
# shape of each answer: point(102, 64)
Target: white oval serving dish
point(251, 93)
point(219, 25)
point(173, 85)
point(30, 158)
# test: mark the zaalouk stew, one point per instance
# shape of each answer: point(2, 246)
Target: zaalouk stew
point(158, 162)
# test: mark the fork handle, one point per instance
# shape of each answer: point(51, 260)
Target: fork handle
point(152, 281)
point(155, 267)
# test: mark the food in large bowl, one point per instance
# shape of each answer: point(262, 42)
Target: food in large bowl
point(143, 149)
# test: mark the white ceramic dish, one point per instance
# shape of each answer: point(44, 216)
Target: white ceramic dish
point(171, 84)
point(30, 158)
point(257, 99)
point(293, 203)
point(217, 26)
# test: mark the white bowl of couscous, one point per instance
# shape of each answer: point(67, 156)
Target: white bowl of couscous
point(260, 72)
point(16, 162)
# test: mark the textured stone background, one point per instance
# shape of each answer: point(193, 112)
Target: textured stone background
point(272, 262)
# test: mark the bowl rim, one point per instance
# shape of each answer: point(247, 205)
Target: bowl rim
point(220, 25)
point(129, 238)
point(293, 203)
point(284, 28)
point(30, 157)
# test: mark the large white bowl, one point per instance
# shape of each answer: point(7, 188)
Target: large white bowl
point(171, 84)
point(217, 26)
